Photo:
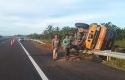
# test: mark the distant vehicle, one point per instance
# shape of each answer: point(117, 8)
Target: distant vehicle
point(21, 39)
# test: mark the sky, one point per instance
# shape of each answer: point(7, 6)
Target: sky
point(33, 16)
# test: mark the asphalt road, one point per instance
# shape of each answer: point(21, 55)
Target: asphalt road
point(15, 64)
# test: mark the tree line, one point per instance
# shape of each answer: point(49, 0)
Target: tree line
point(49, 32)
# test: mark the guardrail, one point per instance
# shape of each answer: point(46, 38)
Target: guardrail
point(107, 53)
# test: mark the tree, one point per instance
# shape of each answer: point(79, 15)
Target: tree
point(50, 30)
point(110, 25)
point(57, 29)
point(120, 32)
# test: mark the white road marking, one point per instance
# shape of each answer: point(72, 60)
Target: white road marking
point(42, 75)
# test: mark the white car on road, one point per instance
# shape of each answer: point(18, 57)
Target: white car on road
point(21, 39)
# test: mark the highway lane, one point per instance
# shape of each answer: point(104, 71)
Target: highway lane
point(71, 70)
point(14, 63)
point(4, 39)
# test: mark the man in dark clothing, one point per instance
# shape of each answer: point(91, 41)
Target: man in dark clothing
point(81, 41)
point(67, 43)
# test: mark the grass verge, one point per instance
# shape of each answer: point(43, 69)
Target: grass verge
point(117, 63)
point(120, 43)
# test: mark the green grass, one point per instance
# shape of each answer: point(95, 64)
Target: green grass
point(120, 43)
point(117, 63)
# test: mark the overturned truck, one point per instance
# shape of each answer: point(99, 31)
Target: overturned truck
point(96, 37)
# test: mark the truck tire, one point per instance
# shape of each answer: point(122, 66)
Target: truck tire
point(84, 25)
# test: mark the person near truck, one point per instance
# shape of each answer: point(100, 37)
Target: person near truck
point(55, 46)
point(67, 43)
point(81, 41)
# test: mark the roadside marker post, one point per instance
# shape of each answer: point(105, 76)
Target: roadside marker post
point(12, 42)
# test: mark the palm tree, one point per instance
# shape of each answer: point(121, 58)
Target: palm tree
point(50, 31)
point(109, 25)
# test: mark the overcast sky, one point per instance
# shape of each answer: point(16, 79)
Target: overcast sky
point(33, 16)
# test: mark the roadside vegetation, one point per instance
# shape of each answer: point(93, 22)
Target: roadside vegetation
point(49, 32)
point(117, 63)
point(120, 43)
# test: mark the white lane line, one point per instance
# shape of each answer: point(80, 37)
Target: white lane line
point(42, 75)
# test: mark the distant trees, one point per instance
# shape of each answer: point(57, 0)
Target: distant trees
point(35, 36)
point(49, 32)
point(120, 34)
point(120, 31)
point(0, 36)
point(110, 25)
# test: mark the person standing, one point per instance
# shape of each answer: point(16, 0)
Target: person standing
point(81, 41)
point(55, 46)
point(66, 43)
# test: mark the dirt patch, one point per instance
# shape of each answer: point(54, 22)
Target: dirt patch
point(48, 46)
point(45, 46)
point(73, 57)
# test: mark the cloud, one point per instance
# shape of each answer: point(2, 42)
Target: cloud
point(33, 16)
point(70, 19)
point(34, 6)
